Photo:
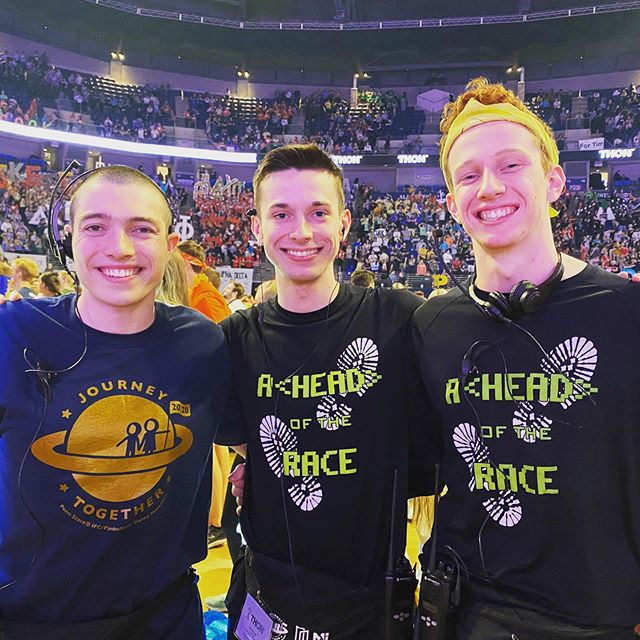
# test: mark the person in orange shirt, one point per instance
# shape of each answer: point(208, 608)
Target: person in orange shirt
point(203, 295)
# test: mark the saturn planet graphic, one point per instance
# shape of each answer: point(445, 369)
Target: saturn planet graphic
point(118, 448)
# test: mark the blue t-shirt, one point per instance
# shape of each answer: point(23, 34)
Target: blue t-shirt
point(104, 493)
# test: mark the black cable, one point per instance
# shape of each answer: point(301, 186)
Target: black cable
point(45, 391)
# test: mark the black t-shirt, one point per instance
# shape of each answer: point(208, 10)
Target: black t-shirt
point(543, 470)
point(323, 402)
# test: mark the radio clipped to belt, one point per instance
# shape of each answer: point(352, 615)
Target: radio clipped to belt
point(400, 584)
point(440, 587)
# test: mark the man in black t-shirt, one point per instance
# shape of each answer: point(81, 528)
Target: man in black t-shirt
point(537, 397)
point(324, 414)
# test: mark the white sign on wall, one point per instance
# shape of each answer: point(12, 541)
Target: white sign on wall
point(39, 259)
point(592, 144)
point(242, 276)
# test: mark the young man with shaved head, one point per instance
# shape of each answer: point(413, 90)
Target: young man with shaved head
point(536, 395)
point(108, 404)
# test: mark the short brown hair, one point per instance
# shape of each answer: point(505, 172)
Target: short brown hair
point(485, 92)
point(213, 275)
point(119, 174)
point(363, 278)
point(297, 156)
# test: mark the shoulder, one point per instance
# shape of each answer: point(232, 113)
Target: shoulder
point(398, 303)
point(37, 322)
point(603, 281)
point(401, 299)
point(179, 320)
point(432, 309)
point(240, 321)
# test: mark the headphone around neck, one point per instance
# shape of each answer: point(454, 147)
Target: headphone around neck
point(525, 297)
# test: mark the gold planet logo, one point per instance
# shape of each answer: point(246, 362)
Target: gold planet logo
point(118, 448)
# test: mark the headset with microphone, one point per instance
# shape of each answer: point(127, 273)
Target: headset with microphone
point(59, 244)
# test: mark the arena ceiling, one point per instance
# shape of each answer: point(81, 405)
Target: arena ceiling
point(95, 30)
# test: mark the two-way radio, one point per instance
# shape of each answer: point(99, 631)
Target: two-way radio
point(439, 588)
point(399, 583)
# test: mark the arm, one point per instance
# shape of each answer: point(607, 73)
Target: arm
point(12, 297)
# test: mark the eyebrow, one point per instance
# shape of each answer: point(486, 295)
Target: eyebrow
point(502, 152)
point(105, 216)
point(285, 205)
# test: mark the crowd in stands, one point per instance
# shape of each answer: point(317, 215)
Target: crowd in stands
point(394, 231)
point(616, 115)
point(391, 236)
point(611, 113)
point(222, 227)
point(33, 91)
point(23, 201)
point(341, 129)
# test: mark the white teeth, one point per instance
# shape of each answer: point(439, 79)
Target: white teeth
point(301, 253)
point(119, 273)
point(495, 214)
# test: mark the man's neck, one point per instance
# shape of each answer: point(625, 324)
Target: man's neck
point(501, 270)
point(305, 297)
point(116, 320)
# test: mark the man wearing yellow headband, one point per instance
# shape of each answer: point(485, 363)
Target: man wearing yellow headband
point(537, 397)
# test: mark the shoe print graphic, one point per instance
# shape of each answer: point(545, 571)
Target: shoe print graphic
point(577, 358)
point(276, 438)
point(504, 508)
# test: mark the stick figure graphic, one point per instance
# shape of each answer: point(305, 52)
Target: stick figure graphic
point(148, 443)
point(133, 429)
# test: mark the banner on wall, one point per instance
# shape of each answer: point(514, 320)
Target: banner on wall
point(241, 276)
point(592, 144)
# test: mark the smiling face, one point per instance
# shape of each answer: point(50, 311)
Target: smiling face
point(301, 224)
point(500, 190)
point(121, 246)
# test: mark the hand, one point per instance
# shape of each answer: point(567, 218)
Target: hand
point(236, 478)
point(12, 297)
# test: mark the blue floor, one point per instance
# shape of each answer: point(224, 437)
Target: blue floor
point(215, 625)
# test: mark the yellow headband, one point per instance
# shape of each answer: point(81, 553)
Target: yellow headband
point(475, 113)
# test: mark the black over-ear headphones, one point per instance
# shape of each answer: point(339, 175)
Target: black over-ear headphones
point(60, 245)
point(525, 297)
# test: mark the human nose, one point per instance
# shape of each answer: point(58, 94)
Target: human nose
point(490, 185)
point(301, 230)
point(120, 244)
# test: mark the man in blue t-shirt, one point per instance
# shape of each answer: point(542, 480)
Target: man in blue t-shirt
point(108, 406)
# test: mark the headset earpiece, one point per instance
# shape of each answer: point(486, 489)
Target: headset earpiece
point(525, 297)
